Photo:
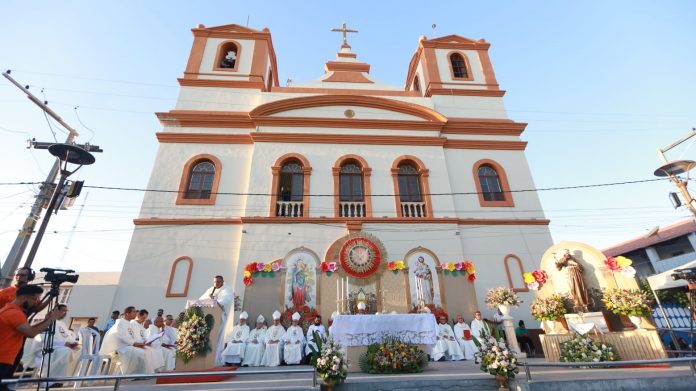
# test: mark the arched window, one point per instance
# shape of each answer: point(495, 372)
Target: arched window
point(291, 182)
point(409, 184)
point(290, 186)
point(179, 277)
point(416, 84)
point(459, 69)
point(201, 181)
point(515, 273)
point(351, 183)
point(351, 175)
point(227, 58)
point(490, 184)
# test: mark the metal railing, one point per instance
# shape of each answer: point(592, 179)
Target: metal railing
point(118, 378)
point(579, 365)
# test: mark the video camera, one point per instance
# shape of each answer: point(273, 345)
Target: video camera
point(59, 276)
point(684, 274)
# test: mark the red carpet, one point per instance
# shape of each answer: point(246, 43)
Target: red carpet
point(198, 379)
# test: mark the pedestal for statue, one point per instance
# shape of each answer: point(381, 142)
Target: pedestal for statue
point(204, 361)
point(511, 337)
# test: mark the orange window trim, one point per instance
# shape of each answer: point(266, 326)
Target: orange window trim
point(186, 176)
point(423, 173)
point(367, 172)
point(275, 171)
point(467, 65)
point(223, 47)
point(506, 262)
point(314, 220)
point(171, 277)
point(504, 186)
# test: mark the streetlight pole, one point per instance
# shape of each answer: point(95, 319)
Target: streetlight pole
point(674, 168)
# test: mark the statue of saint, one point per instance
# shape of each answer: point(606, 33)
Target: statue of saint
point(229, 60)
point(424, 282)
point(578, 292)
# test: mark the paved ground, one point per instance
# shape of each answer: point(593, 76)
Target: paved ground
point(441, 371)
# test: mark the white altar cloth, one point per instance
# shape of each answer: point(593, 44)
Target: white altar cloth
point(364, 330)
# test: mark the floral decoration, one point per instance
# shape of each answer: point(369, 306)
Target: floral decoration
point(431, 308)
point(253, 269)
point(502, 296)
point(622, 265)
point(495, 357)
point(328, 267)
point(331, 365)
point(629, 302)
point(581, 348)
point(393, 356)
point(465, 268)
point(193, 335)
point(396, 266)
point(307, 315)
point(536, 279)
point(550, 308)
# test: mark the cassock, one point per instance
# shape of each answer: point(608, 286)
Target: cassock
point(236, 341)
point(120, 339)
point(155, 356)
point(273, 352)
point(64, 359)
point(253, 352)
point(446, 345)
point(293, 342)
point(478, 327)
point(225, 297)
point(310, 337)
point(468, 346)
point(168, 354)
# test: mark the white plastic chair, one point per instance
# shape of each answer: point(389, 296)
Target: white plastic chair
point(90, 357)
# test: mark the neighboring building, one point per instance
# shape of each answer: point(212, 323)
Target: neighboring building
point(668, 248)
point(341, 169)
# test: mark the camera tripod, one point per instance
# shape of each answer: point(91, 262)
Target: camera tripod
point(49, 334)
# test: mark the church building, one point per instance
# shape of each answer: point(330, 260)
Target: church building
point(338, 192)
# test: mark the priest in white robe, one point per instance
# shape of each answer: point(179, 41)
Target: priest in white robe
point(253, 351)
point(273, 352)
point(479, 327)
point(319, 328)
point(462, 333)
point(123, 340)
point(446, 346)
point(162, 344)
point(154, 356)
point(224, 296)
point(294, 342)
point(236, 341)
point(66, 349)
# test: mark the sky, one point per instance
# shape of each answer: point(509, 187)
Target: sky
point(601, 84)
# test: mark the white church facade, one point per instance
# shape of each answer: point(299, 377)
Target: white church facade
point(342, 173)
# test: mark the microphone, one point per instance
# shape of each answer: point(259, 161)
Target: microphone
point(213, 292)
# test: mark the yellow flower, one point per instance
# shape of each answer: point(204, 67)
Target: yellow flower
point(623, 261)
point(450, 266)
point(528, 277)
point(400, 265)
point(247, 274)
point(268, 267)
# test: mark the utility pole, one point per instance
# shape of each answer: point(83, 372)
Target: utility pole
point(675, 168)
point(22, 241)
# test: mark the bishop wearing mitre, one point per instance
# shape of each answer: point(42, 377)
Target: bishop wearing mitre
point(121, 340)
point(294, 342)
point(446, 346)
point(66, 349)
point(236, 340)
point(253, 351)
point(224, 297)
point(273, 352)
point(462, 333)
point(161, 343)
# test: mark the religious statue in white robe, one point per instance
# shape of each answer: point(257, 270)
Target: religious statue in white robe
point(253, 351)
point(319, 328)
point(294, 342)
point(161, 344)
point(446, 345)
point(424, 282)
point(273, 352)
point(462, 333)
point(155, 356)
point(236, 341)
point(224, 296)
point(66, 352)
point(120, 339)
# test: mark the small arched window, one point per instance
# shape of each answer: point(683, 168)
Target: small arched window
point(351, 183)
point(458, 66)
point(180, 277)
point(490, 184)
point(291, 183)
point(409, 184)
point(416, 84)
point(201, 181)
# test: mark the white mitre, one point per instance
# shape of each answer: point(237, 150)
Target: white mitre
point(295, 316)
point(276, 315)
point(361, 305)
point(244, 315)
point(334, 315)
point(260, 319)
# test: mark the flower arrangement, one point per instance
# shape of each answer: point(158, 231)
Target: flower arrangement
point(536, 279)
point(396, 266)
point(550, 308)
point(330, 363)
point(465, 268)
point(502, 296)
point(495, 358)
point(431, 308)
point(622, 265)
point(307, 316)
point(253, 269)
point(393, 356)
point(629, 302)
point(193, 335)
point(584, 349)
point(328, 267)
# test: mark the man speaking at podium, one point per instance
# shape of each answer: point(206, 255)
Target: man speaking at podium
point(224, 296)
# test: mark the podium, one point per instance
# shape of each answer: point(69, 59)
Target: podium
point(204, 361)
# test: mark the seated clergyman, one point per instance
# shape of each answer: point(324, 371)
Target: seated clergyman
point(294, 342)
point(446, 347)
point(253, 351)
point(236, 341)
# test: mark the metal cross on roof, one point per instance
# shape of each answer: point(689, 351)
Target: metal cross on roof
point(344, 30)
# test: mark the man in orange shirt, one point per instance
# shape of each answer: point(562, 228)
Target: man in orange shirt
point(14, 327)
point(22, 277)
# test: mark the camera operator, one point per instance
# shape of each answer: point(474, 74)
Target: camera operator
point(14, 327)
point(22, 277)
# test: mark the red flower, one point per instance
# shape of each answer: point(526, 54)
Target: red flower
point(391, 265)
point(251, 267)
point(471, 278)
point(324, 266)
point(248, 281)
point(540, 276)
point(612, 264)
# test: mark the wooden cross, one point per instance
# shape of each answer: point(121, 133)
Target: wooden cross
point(344, 30)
